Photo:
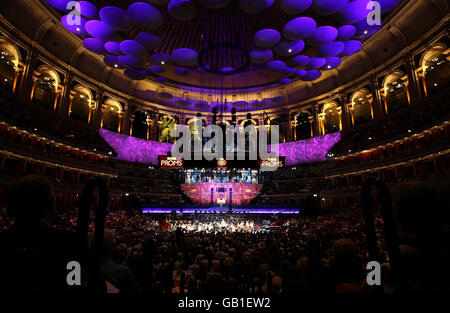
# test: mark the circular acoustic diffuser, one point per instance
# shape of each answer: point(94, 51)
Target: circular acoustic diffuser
point(184, 10)
point(99, 29)
point(255, 6)
point(148, 40)
point(95, 45)
point(181, 72)
point(299, 61)
point(388, 5)
point(185, 57)
point(346, 32)
point(324, 35)
point(294, 7)
point(300, 73)
point(332, 63)
point(285, 81)
point(312, 75)
point(70, 24)
point(354, 12)
point(161, 79)
point(240, 104)
point(317, 62)
point(156, 69)
point(145, 15)
point(133, 48)
point(288, 48)
point(259, 104)
point(299, 28)
point(227, 70)
point(328, 7)
point(288, 70)
point(182, 103)
point(351, 47)
point(113, 47)
point(61, 5)
point(87, 9)
point(202, 106)
point(113, 61)
point(136, 74)
point(261, 56)
point(332, 49)
point(275, 66)
point(364, 30)
point(267, 38)
point(129, 61)
point(157, 1)
point(164, 96)
point(116, 17)
point(215, 4)
point(160, 58)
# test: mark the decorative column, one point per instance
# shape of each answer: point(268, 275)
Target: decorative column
point(377, 101)
point(413, 83)
point(120, 126)
point(33, 87)
point(149, 128)
point(69, 110)
point(344, 113)
point(341, 122)
point(132, 116)
point(97, 116)
point(321, 119)
point(126, 119)
point(154, 131)
point(316, 122)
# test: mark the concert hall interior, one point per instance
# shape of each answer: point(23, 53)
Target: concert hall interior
point(330, 151)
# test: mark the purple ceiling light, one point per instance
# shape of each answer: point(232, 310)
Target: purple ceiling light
point(308, 151)
point(364, 30)
point(312, 75)
point(324, 35)
point(300, 73)
point(132, 149)
point(261, 56)
point(332, 49)
point(95, 45)
point(351, 47)
point(160, 58)
point(288, 70)
point(299, 28)
point(87, 9)
point(129, 61)
point(185, 57)
point(116, 17)
point(332, 63)
point(113, 47)
point(255, 6)
point(267, 38)
point(286, 48)
point(275, 66)
point(133, 48)
point(354, 12)
point(184, 10)
point(145, 14)
point(346, 32)
point(328, 7)
point(70, 24)
point(61, 5)
point(157, 1)
point(99, 29)
point(148, 40)
point(157, 69)
point(317, 62)
point(285, 81)
point(181, 72)
point(299, 61)
point(294, 7)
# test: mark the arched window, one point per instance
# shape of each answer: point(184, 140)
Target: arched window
point(396, 94)
point(112, 110)
point(436, 69)
point(361, 107)
point(331, 115)
point(9, 60)
point(303, 126)
point(140, 127)
point(46, 87)
point(81, 104)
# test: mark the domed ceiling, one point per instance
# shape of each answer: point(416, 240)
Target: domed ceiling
point(222, 43)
